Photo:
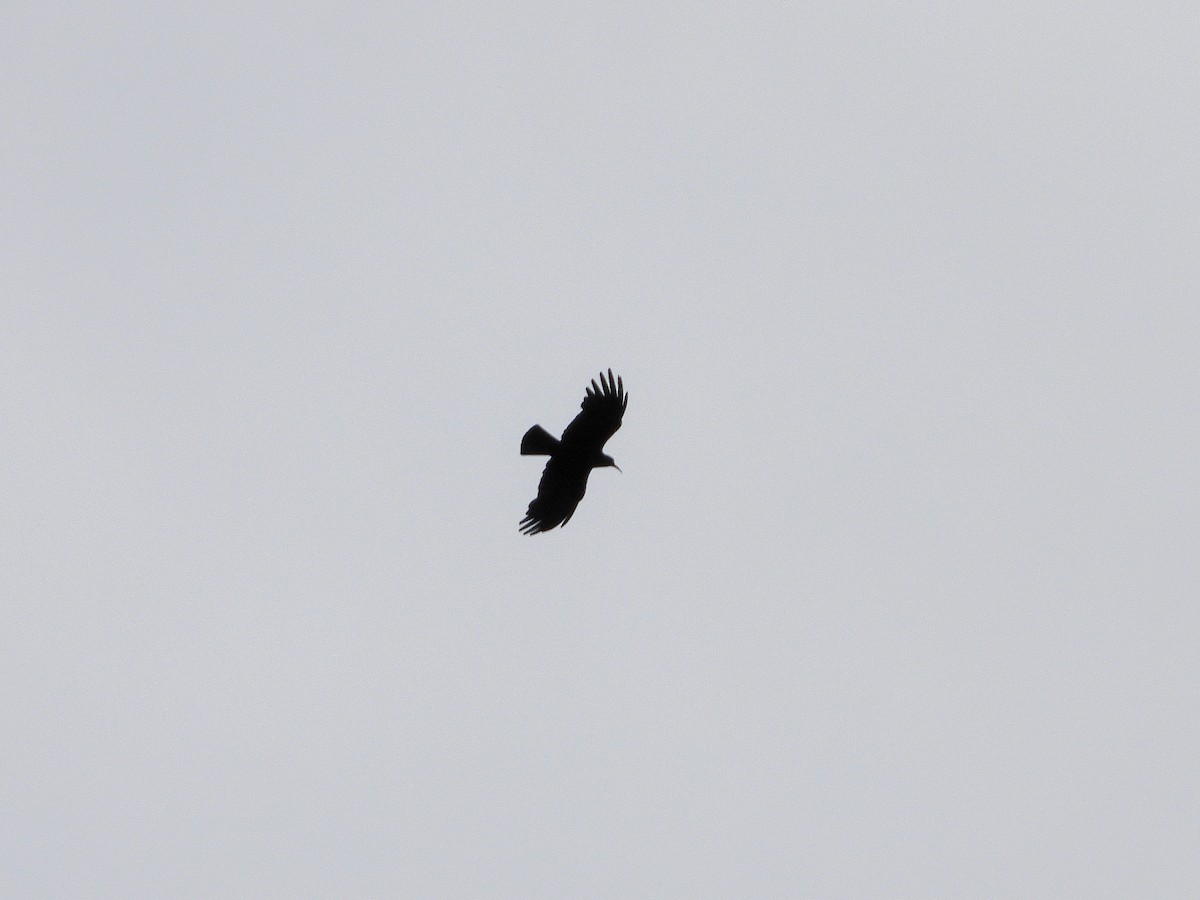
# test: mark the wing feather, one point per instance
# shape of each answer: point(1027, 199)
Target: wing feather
point(562, 486)
point(600, 414)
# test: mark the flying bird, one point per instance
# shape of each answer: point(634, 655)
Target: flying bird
point(572, 458)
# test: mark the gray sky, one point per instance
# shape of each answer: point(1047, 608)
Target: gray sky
point(896, 596)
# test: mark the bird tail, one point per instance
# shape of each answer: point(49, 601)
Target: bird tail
point(538, 442)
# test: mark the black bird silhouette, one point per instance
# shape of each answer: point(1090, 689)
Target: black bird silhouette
point(564, 480)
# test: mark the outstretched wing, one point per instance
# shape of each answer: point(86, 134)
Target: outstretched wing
point(601, 414)
point(563, 484)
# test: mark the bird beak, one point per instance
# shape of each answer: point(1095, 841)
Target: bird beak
point(618, 468)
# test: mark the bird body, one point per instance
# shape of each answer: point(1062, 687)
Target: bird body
point(572, 458)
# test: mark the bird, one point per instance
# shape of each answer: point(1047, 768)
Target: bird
point(572, 458)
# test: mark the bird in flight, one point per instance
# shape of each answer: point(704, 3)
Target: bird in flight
point(564, 480)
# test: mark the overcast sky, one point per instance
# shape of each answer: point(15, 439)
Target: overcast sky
point(897, 594)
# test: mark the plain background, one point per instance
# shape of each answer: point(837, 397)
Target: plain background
point(897, 596)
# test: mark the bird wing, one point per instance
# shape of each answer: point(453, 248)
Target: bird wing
point(563, 484)
point(600, 415)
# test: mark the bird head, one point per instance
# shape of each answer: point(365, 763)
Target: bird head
point(607, 460)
